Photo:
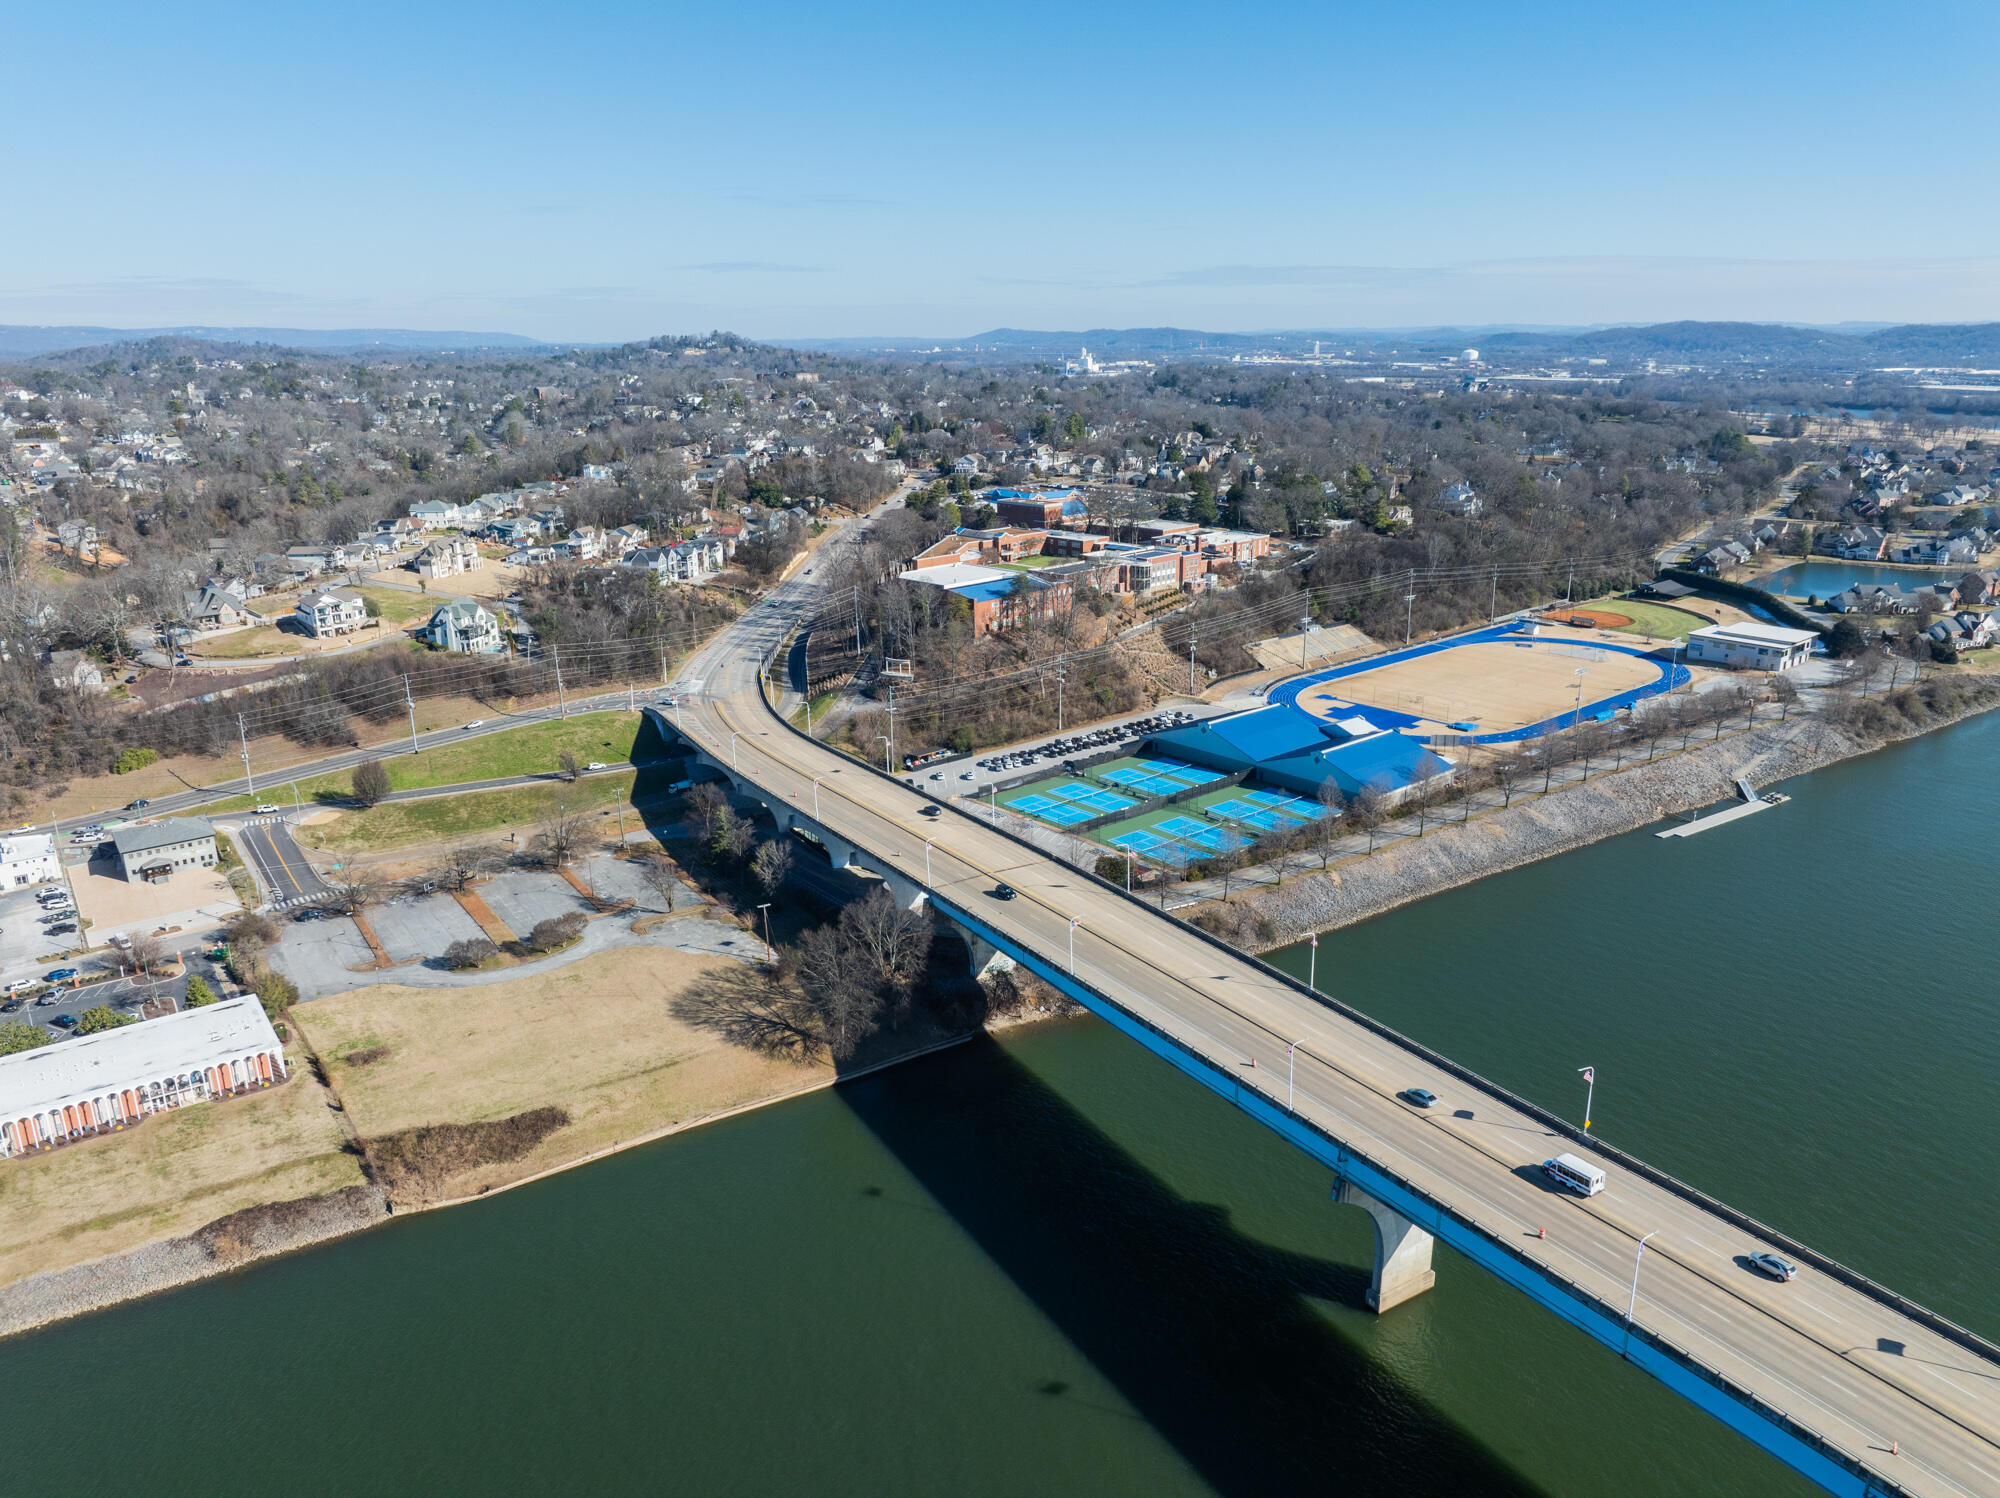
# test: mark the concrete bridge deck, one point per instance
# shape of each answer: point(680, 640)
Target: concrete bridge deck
point(1862, 1391)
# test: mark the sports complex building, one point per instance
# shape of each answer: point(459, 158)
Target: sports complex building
point(1384, 726)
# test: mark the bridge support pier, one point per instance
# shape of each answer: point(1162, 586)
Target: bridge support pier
point(1402, 1251)
point(986, 959)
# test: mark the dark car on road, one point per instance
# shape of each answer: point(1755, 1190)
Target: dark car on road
point(64, 1021)
point(140, 805)
point(1003, 891)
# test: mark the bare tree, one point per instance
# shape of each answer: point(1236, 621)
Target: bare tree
point(371, 782)
point(560, 838)
point(1329, 826)
point(1786, 692)
point(352, 896)
point(773, 865)
point(1369, 809)
point(1508, 772)
point(569, 765)
point(144, 952)
point(663, 879)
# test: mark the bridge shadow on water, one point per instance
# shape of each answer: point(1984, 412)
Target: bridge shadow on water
point(1209, 1335)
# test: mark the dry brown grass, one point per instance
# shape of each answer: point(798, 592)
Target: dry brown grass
point(597, 1039)
point(168, 1176)
point(417, 1164)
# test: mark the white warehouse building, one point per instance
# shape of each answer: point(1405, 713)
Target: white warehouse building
point(28, 860)
point(1759, 647)
point(101, 1082)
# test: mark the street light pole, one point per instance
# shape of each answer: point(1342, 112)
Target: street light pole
point(885, 753)
point(1290, 1064)
point(816, 781)
point(1304, 625)
point(243, 737)
point(1410, 608)
point(927, 864)
point(732, 748)
point(1632, 1305)
point(1072, 944)
point(1312, 963)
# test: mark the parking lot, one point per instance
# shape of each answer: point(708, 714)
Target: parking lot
point(24, 939)
point(124, 994)
point(522, 899)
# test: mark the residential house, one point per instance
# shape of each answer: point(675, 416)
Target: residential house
point(210, 607)
point(1934, 551)
point(75, 670)
point(78, 537)
point(1458, 499)
point(464, 626)
point(585, 543)
point(625, 540)
point(1980, 587)
point(330, 611)
point(518, 532)
point(1963, 631)
point(1857, 543)
point(449, 556)
point(435, 514)
point(1719, 559)
point(309, 561)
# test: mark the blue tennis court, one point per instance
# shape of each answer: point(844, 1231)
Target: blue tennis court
point(1048, 809)
point(1148, 845)
point(1201, 834)
point(1141, 780)
point(1186, 774)
point(1291, 806)
point(1098, 800)
point(1262, 818)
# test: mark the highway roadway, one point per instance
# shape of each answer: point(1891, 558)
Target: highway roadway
point(1914, 1406)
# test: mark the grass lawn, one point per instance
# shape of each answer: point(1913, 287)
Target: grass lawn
point(397, 606)
point(533, 749)
point(597, 1038)
point(1657, 620)
point(169, 1175)
point(1031, 563)
point(396, 824)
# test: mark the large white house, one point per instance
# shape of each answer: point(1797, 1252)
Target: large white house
point(1759, 647)
point(27, 859)
point(330, 611)
point(463, 625)
point(56, 1093)
point(448, 556)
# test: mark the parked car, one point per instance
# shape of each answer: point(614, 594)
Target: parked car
point(308, 914)
point(60, 930)
point(19, 985)
point(65, 1021)
point(1771, 1264)
point(11, 1005)
point(59, 975)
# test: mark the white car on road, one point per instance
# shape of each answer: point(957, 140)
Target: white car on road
point(264, 808)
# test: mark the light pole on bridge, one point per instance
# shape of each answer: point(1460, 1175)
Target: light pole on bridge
point(816, 781)
point(927, 864)
point(1291, 1062)
point(1589, 1074)
point(1073, 920)
point(1632, 1305)
point(732, 748)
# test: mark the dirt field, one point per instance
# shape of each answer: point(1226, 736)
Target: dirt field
point(1498, 685)
point(167, 1176)
point(596, 1039)
point(1590, 618)
point(111, 904)
point(491, 580)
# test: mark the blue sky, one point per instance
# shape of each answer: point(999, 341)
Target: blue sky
point(605, 170)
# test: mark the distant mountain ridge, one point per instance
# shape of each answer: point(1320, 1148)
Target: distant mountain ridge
point(1846, 346)
point(23, 340)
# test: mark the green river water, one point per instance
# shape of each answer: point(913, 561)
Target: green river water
point(1051, 1265)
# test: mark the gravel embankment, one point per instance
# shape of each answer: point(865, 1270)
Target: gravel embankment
point(229, 1243)
point(1535, 828)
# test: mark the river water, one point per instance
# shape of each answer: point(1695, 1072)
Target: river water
point(1048, 1264)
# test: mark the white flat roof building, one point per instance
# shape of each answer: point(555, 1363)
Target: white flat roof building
point(28, 859)
point(113, 1078)
point(1759, 647)
point(955, 575)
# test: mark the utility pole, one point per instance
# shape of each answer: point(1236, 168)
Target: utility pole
point(243, 738)
point(1059, 697)
point(663, 665)
point(1190, 663)
point(561, 702)
point(1569, 588)
point(857, 623)
point(412, 704)
point(1410, 607)
point(892, 725)
point(1493, 608)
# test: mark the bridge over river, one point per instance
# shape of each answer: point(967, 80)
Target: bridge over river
point(1856, 1387)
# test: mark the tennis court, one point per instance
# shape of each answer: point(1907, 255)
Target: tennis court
point(1144, 844)
point(1185, 773)
point(1263, 818)
point(1142, 780)
point(1098, 800)
point(1202, 834)
point(1048, 809)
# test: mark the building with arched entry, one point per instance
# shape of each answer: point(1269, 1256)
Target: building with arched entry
point(110, 1080)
